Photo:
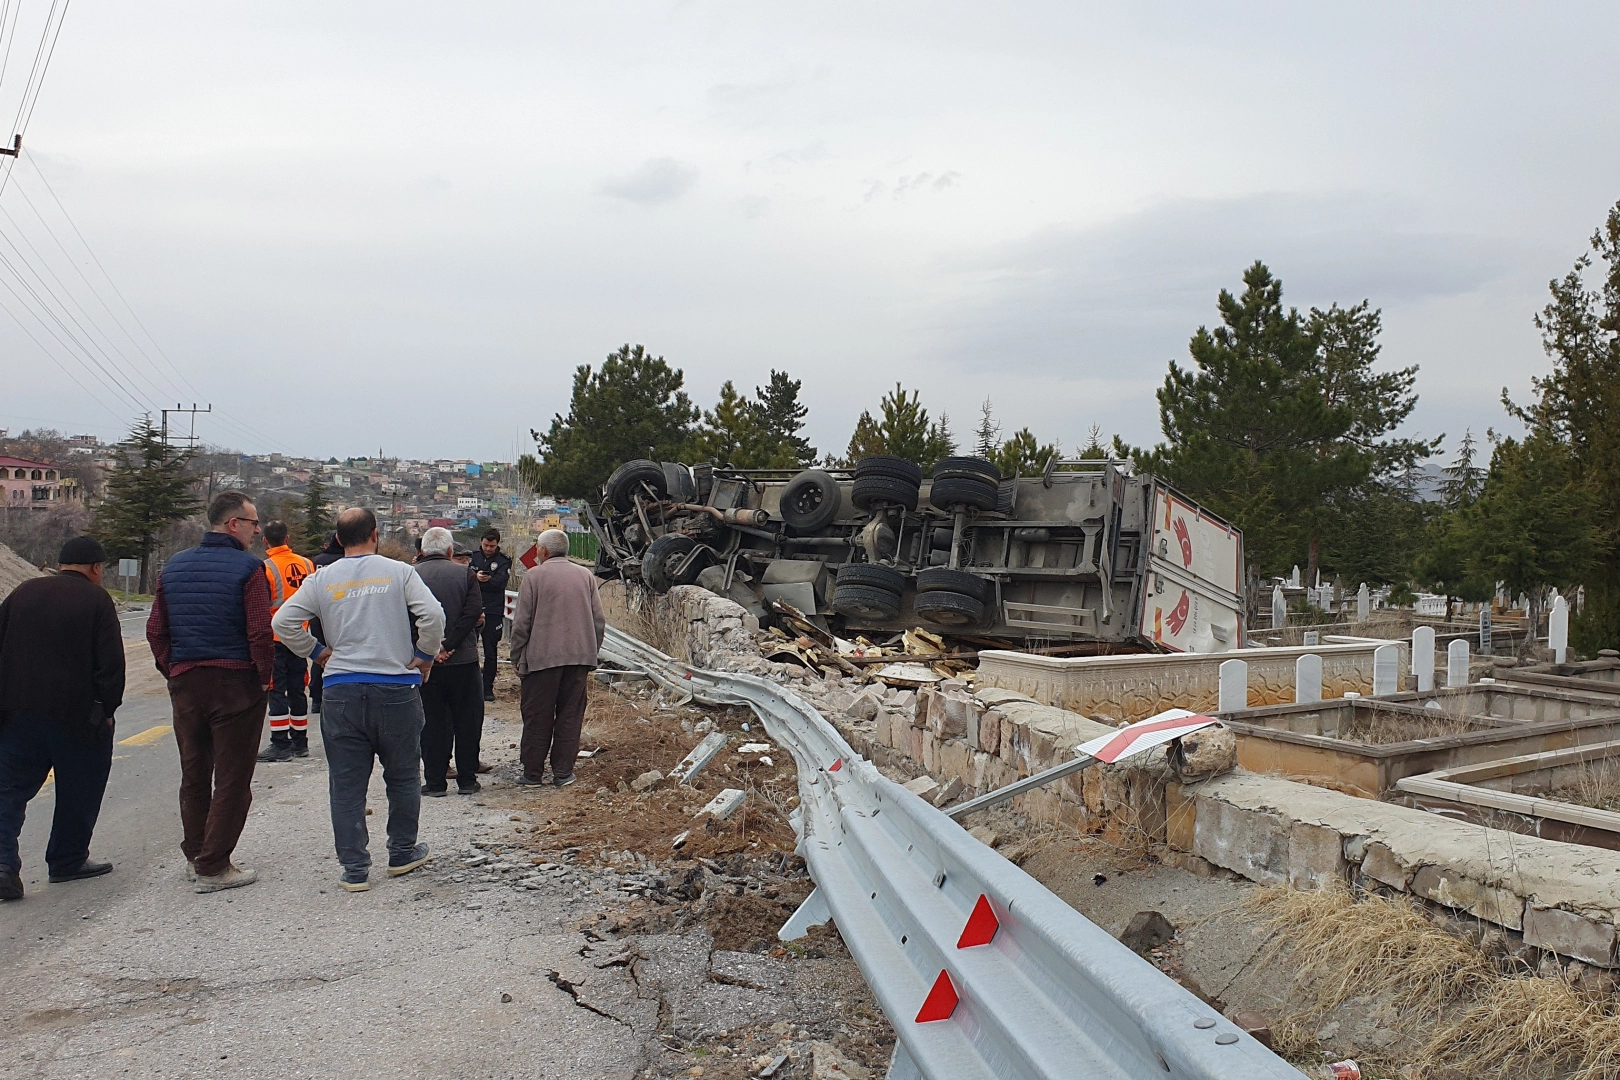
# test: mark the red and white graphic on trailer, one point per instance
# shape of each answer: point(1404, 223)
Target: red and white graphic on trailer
point(1145, 734)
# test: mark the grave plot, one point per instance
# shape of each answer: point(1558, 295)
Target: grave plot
point(1365, 747)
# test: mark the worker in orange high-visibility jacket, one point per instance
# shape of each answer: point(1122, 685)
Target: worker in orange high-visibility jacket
point(289, 707)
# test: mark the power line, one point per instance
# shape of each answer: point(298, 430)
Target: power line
point(5, 61)
point(20, 124)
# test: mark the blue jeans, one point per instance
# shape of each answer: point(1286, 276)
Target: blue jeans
point(30, 747)
point(359, 722)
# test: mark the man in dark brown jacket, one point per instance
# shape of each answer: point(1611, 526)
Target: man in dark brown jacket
point(61, 681)
point(557, 628)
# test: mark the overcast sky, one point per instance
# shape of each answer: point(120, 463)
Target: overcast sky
point(402, 225)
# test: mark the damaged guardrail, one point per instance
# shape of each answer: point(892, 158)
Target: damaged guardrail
point(981, 970)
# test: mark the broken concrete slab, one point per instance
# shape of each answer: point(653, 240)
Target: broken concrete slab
point(700, 757)
point(1569, 934)
point(723, 805)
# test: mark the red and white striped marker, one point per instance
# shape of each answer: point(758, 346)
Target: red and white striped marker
point(1145, 734)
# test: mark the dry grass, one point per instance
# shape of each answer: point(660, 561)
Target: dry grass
point(1597, 786)
point(1529, 1027)
point(1378, 727)
point(1343, 945)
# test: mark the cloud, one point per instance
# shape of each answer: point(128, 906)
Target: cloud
point(654, 181)
point(1132, 290)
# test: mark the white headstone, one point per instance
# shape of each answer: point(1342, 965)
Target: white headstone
point(1386, 670)
point(1557, 629)
point(1279, 609)
point(1457, 662)
point(1423, 658)
point(1363, 603)
point(1308, 679)
point(1293, 577)
point(1234, 693)
point(1313, 637)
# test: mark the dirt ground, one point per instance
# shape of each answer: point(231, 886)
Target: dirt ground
point(735, 882)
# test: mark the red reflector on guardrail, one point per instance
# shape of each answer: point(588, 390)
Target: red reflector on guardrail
point(981, 925)
point(835, 766)
point(941, 1001)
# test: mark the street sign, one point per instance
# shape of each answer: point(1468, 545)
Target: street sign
point(128, 568)
point(1145, 734)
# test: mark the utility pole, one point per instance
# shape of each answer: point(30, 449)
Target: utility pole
point(191, 438)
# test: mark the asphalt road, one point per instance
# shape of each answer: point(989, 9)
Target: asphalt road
point(135, 975)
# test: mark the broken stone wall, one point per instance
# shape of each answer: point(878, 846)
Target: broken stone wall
point(1132, 688)
point(688, 622)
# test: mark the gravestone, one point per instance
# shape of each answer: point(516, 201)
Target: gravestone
point(1485, 630)
point(1363, 603)
point(1279, 609)
point(1457, 662)
point(1308, 679)
point(1313, 637)
point(1423, 658)
point(1234, 694)
point(1293, 578)
point(1558, 629)
point(1386, 670)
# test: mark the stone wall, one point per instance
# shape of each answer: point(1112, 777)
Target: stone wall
point(1562, 897)
point(688, 623)
point(1132, 688)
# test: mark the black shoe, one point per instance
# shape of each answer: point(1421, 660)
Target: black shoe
point(300, 749)
point(563, 781)
point(88, 868)
point(488, 696)
point(435, 792)
point(531, 781)
point(276, 751)
point(10, 886)
point(469, 789)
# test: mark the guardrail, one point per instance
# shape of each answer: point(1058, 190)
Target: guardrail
point(981, 970)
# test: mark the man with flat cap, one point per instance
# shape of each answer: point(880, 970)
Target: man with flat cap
point(61, 681)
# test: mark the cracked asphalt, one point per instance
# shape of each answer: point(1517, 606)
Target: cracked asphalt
point(433, 974)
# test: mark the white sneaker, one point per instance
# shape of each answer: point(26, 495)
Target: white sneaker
point(233, 877)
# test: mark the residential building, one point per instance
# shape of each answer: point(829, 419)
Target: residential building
point(37, 485)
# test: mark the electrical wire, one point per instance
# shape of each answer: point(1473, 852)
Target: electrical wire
point(5, 60)
point(19, 125)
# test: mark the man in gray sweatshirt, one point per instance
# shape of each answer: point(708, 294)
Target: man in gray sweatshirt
point(383, 627)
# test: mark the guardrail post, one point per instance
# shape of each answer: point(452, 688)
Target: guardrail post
point(1234, 692)
point(1457, 662)
point(1423, 658)
point(1308, 679)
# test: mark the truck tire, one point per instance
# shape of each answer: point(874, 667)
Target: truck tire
point(626, 481)
point(873, 577)
point(966, 468)
point(950, 609)
point(959, 581)
point(810, 501)
point(885, 465)
point(977, 493)
point(865, 602)
point(869, 491)
point(657, 565)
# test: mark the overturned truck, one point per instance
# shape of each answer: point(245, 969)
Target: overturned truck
point(1085, 552)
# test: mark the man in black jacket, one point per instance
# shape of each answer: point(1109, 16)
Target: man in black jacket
point(452, 711)
point(61, 681)
point(494, 567)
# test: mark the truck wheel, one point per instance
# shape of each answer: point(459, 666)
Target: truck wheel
point(958, 581)
point(950, 609)
point(810, 501)
point(873, 577)
point(977, 493)
point(865, 602)
point(886, 465)
point(626, 481)
point(869, 491)
point(966, 468)
point(658, 564)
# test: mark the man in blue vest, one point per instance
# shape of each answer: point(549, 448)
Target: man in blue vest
point(210, 635)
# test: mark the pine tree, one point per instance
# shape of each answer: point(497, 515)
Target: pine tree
point(632, 407)
point(729, 433)
point(1094, 450)
point(1023, 454)
point(866, 441)
point(780, 417)
point(987, 436)
point(317, 517)
point(149, 489)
